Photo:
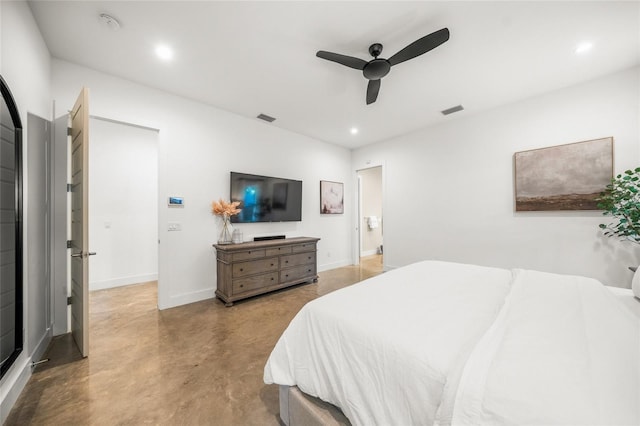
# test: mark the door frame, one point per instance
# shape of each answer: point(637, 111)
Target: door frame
point(357, 235)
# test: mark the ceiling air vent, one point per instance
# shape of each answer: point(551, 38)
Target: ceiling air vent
point(452, 110)
point(265, 117)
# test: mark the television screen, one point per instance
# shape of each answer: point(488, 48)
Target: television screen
point(266, 199)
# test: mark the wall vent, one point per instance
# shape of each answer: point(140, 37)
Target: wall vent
point(452, 110)
point(265, 117)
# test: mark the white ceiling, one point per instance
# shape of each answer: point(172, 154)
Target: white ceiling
point(259, 57)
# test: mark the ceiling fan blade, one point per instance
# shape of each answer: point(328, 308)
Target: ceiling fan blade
point(372, 91)
point(420, 46)
point(349, 61)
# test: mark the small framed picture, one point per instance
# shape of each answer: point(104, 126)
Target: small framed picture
point(331, 197)
point(175, 202)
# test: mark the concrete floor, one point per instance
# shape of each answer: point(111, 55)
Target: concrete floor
point(199, 364)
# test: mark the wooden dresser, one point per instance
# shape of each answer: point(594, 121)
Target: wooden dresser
point(252, 268)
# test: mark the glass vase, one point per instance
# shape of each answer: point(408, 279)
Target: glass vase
point(225, 233)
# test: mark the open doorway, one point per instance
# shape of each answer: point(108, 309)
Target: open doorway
point(123, 204)
point(370, 215)
point(123, 209)
point(122, 223)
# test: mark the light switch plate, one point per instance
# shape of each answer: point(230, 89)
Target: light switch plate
point(174, 226)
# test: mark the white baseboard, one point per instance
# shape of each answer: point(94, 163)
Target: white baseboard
point(387, 268)
point(186, 298)
point(197, 296)
point(13, 384)
point(369, 252)
point(122, 281)
point(42, 346)
point(334, 265)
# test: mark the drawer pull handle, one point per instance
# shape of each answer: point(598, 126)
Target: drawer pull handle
point(287, 275)
point(271, 278)
point(241, 269)
point(241, 285)
point(286, 261)
point(272, 264)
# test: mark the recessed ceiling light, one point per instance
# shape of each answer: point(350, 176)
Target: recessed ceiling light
point(354, 130)
point(583, 47)
point(164, 52)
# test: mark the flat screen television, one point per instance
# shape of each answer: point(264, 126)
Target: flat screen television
point(266, 199)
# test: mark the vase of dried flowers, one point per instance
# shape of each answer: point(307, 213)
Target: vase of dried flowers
point(225, 210)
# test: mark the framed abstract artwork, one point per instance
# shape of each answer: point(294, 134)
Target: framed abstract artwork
point(563, 177)
point(331, 197)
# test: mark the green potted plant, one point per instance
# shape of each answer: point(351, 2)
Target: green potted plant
point(621, 200)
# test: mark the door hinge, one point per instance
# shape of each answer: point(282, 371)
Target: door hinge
point(69, 187)
point(69, 300)
point(69, 131)
point(68, 243)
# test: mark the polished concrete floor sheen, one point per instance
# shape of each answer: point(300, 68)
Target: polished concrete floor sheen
point(199, 364)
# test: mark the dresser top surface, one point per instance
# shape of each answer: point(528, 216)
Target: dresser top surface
point(249, 245)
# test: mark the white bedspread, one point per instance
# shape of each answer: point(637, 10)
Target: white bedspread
point(436, 341)
point(382, 349)
point(562, 351)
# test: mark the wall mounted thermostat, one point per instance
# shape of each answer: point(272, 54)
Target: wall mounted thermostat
point(176, 202)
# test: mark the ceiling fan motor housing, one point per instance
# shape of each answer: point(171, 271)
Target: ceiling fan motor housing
point(376, 69)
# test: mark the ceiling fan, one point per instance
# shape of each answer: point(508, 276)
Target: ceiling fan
point(377, 68)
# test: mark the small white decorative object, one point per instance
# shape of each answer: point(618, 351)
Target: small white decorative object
point(236, 236)
point(635, 283)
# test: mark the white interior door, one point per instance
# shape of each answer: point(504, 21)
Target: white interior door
point(80, 222)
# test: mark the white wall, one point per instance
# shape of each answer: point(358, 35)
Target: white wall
point(198, 146)
point(25, 66)
point(123, 204)
point(371, 205)
point(449, 188)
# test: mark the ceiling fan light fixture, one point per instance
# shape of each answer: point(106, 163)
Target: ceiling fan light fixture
point(376, 68)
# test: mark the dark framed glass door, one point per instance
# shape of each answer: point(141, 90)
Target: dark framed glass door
point(11, 291)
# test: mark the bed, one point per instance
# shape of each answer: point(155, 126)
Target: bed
point(467, 345)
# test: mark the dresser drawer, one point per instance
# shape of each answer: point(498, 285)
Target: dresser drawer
point(297, 259)
point(299, 248)
point(242, 269)
point(276, 251)
point(297, 273)
point(248, 254)
point(242, 285)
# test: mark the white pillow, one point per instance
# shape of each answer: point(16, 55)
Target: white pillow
point(635, 283)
